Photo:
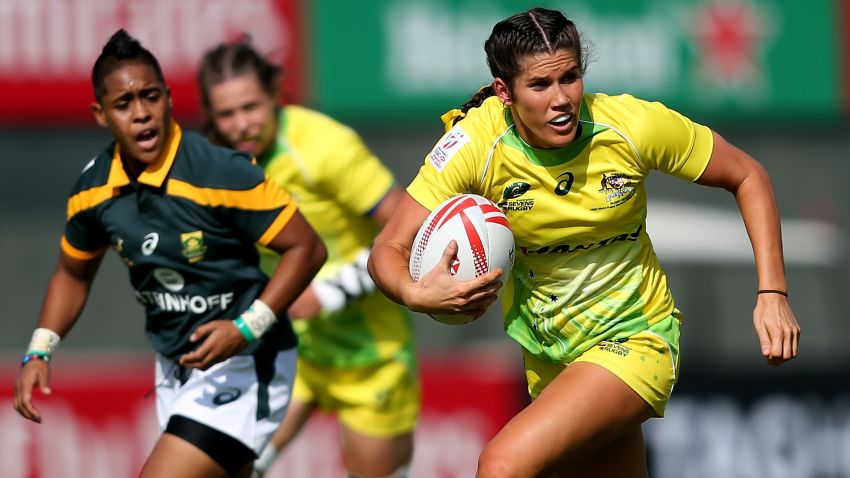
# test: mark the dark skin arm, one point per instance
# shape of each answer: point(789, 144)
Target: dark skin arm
point(437, 291)
point(302, 254)
point(737, 172)
point(66, 295)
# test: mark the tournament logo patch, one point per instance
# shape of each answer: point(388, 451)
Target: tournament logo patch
point(511, 197)
point(448, 146)
point(515, 190)
point(193, 245)
point(617, 188)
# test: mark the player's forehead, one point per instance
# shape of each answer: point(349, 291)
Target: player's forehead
point(541, 65)
point(238, 89)
point(131, 74)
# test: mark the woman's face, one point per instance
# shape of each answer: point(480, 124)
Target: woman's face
point(546, 99)
point(136, 107)
point(244, 113)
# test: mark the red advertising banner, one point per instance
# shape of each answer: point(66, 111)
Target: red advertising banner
point(100, 421)
point(47, 49)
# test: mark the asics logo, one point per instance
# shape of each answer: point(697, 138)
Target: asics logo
point(150, 243)
point(226, 396)
point(564, 185)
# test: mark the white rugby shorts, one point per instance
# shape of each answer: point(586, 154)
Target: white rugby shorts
point(228, 396)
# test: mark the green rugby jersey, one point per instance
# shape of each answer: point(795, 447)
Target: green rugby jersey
point(337, 182)
point(186, 228)
point(585, 269)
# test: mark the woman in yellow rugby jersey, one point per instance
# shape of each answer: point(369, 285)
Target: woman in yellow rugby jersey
point(355, 351)
point(587, 299)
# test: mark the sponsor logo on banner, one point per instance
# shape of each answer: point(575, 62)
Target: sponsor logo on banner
point(730, 39)
point(47, 48)
point(448, 147)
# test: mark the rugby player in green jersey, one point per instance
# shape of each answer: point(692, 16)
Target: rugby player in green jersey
point(587, 299)
point(184, 215)
point(355, 347)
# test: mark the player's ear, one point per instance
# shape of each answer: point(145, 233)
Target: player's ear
point(502, 91)
point(99, 116)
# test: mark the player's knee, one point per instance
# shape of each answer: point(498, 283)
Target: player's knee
point(400, 472)
point(496, 463)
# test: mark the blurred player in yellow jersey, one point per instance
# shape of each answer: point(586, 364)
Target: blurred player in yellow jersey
point(587, 299)
point(355, 349)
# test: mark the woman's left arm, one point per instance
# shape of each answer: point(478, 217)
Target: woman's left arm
point(743, 176)
point(302, 254)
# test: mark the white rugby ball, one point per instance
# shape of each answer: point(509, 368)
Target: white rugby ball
point(484, 238)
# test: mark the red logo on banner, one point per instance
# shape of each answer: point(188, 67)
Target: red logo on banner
point(730, 35)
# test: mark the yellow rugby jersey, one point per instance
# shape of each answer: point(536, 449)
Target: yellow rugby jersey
point(337, 182)
point(585, 269)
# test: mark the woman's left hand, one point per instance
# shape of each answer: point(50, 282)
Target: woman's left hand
point(219, 340)
point(777, 328)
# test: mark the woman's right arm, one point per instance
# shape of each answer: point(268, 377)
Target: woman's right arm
point(437, 292)
point(66, 295)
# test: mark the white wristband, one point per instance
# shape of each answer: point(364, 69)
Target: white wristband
point(43, 341)
point(351, 282)
point(257, 319)
point(265, 460)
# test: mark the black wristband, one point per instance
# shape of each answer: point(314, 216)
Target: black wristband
point(772, 291)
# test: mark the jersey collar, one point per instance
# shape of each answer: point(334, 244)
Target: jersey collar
point(154, 174)
point(556, 156)
point(280, 144)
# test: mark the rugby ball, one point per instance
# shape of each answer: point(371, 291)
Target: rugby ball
point(484, 238)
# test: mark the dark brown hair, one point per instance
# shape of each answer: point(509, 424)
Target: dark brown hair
point(230, 60)
point(525, 34)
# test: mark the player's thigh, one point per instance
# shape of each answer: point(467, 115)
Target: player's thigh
point(377, 407)
point(229, 411)
point(370, 456)
point(582, 410)
point(625, 457)
point(174, 457)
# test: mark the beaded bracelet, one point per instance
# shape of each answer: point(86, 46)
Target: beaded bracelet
point(35, 355)
point(772, 291)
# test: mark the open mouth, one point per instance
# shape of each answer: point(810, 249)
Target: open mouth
point(147, 139)
point(562, 122)
point(247, 144)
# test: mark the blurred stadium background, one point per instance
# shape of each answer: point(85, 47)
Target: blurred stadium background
point(770, 75)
